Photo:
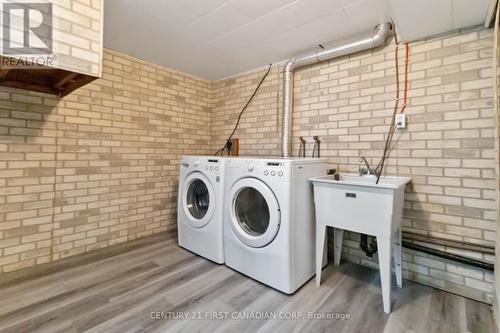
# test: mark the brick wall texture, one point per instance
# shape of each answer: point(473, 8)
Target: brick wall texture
point(100, 166)
point(448, 148)
point(77, 35)
point(496, 87)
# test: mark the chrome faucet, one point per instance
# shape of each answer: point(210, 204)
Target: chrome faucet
point(365, 170)
point(316, 147)
point(302, 147)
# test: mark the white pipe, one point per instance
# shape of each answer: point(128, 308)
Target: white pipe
point(367, 42)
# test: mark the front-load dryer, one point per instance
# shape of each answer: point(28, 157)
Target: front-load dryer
point(200, 206)
point(269, 226)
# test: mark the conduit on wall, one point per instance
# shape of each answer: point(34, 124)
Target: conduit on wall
point(369, 41)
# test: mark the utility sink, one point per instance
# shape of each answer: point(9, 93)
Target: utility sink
point(358, 203)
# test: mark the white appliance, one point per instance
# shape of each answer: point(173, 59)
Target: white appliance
point(269, 227)
point(200, 206)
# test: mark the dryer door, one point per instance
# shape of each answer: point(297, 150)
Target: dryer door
point(198, 199)
point(255, 213)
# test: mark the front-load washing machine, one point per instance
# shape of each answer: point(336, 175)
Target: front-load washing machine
point(269, 226)
point(200, 206)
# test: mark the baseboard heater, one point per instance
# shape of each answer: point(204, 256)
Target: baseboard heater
point(410, 238)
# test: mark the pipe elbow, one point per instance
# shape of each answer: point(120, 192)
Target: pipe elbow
point(381, 34)
point(290, 65)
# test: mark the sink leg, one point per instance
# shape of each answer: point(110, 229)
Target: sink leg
point(397, 259)
point(320, 246)
point(384, 258)
point(338, 236)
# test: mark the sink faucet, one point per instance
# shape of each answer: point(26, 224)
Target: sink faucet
point(365, 171)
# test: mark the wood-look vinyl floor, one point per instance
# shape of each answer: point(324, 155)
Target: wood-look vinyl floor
point(156, 286)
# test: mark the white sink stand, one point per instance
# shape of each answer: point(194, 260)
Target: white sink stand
point(357, 203)
point(387, 249)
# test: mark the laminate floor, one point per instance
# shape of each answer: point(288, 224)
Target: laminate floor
point(159, 287)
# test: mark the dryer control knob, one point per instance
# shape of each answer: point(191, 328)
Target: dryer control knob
point(196, 163)
point(251, 167)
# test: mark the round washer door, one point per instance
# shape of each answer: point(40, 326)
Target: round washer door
point(255, 213)
point(198, 199)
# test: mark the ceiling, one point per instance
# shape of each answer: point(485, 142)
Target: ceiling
point(214, 39)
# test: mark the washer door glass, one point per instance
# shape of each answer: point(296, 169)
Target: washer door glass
point(252, 211)
point(255, 213)
point(198, 199)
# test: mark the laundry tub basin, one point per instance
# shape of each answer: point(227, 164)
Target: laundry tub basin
point(358, 203)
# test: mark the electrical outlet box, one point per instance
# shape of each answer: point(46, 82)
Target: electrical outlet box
point(400, 120)
point(235, 147)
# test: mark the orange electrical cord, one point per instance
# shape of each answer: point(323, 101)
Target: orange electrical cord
point(405, 98)
point(392, 128)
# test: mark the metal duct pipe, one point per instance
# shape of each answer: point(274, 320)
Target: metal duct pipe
point(369, 41)
point(286, 124)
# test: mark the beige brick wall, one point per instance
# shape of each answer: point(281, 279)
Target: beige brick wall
point(448, 148)
point(259, 129)
point(100, 166)
point(78, 35)
point(496, 81)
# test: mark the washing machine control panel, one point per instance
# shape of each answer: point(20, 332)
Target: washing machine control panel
point(274, 169)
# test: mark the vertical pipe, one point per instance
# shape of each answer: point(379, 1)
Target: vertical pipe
point(286, 127)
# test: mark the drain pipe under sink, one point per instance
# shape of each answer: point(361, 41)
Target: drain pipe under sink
point(368, 41)
point(369, 249)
